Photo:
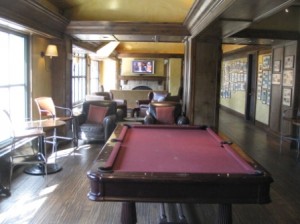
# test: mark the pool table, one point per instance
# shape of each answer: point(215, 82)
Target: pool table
point(175, 164)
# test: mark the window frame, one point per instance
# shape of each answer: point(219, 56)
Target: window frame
point(79, 80)
point(26, 84)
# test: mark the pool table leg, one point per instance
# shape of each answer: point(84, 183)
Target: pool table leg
point(225, 214)
point(128, 213)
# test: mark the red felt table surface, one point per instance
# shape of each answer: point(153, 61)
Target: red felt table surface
point(177, 151)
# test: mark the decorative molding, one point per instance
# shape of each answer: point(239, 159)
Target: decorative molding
point(126, 78)
point(230, 16)
point(130, 28)
point(203, 13)
point(268, 34)
point(34, 17)
point(143, 55)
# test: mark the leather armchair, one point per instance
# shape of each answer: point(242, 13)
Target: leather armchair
point(153, 96)
point(121, 103)
point(97, 120)
point(165, 113)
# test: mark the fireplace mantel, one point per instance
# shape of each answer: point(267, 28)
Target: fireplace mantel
point(126, 78)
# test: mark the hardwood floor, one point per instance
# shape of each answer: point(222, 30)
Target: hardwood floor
point(284, 167)
point(64, 199)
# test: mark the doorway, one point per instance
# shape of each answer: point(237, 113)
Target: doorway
point(251, 88)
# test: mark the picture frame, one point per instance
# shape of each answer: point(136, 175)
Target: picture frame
point(288, 78)
point(289, 62)
point(286, 96)
point(267, 62)
point(260, 66)
point(276, 79)
point(264, 96)
point(277, 66)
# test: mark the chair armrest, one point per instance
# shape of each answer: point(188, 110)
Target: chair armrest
point(109, 123)
point(121, 114)
point(120, 101)
point(46, 113)
point(182, 120)
point(68, 110)
point(80, 119)
point(149, 119)
point(140, 102)
point(172, 98)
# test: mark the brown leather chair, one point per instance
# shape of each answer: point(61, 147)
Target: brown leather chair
point(97, 120)
point(165, 113)
point(121, 103)
point(153, 96)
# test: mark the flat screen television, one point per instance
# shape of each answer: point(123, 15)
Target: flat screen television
point(143, 66)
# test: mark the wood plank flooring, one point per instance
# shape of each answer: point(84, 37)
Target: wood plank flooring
point(64, 199)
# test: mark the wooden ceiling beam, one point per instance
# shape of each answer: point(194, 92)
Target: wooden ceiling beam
point(87, 45)
point(232, 15)
point(132, 28)
point(34, 17)
point(267, 34)
point(147, 55)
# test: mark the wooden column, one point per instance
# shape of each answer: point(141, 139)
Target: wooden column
point(61, 71)
point(202, 81)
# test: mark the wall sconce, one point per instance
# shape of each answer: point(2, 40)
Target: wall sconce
point(51, 51)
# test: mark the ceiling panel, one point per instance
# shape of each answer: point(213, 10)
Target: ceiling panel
point(241, 15)
point(173, 11)
point(151, 48)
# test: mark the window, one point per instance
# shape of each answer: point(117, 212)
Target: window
point(94, 78)
point(78, 78)
point(14, 90)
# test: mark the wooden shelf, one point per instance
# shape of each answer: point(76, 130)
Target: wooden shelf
point(160, 79)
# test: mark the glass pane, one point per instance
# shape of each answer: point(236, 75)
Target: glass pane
point(13, 92)
point(4, 99)
point(94, 69)
point(79, 78)
point(94, 85)
point(4, 133)
point(17, 104)
point(16, 57)
point(4, 75)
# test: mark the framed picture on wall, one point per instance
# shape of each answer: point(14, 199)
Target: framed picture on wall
point(260, 68)
point(276, 78)
point(277, 66)
point(288, 78)
point(287, 96)
point(266, 62)
point(289, 62)
point(258, 94)
point(264, 96)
